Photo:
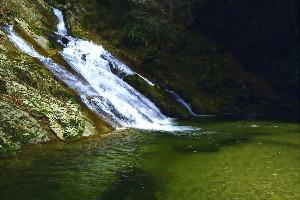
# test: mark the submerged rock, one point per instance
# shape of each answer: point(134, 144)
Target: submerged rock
point(131, 183)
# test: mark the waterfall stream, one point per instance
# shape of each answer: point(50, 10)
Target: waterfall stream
point(182, 102)
point(100, 84)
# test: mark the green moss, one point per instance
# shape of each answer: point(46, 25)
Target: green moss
point(7, 147)
point(101, 126)
point(63, 95)
point(25, 77)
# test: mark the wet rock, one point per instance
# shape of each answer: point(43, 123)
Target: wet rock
point(115, 70)
point(204, 148)
point(25, 77)
point(83, 57)
point(64, 40)
point(103, 57)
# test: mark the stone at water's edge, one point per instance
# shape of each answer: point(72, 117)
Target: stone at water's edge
point(18, 127)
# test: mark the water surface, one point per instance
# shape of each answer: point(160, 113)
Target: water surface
point(222, 160)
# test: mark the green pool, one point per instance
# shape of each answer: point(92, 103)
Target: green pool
point(224, 159)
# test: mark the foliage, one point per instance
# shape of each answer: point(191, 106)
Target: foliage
point(3, 87)
point(6, 14)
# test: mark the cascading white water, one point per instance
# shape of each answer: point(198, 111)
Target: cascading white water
point(129, 106)
point(101, 87)
point(114, 64)
point(182, 102)
point(123, 103)
point(187, 105)
point(61, 27)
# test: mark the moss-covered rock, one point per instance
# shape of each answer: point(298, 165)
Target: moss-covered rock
point(34, 105)
point(18, 127)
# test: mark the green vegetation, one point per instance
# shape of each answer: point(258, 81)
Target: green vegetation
point(166, 49)
point(3, 88)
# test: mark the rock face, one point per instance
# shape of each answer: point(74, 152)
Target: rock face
point(34, 106)
point(206, 75)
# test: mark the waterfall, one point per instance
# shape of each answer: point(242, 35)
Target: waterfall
point(186, 105)
point(182, 102)
point(61, 26)
point(100, 83)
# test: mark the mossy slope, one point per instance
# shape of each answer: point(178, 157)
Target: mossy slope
point(34, 105)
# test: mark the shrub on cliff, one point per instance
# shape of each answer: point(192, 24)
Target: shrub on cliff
point(6, 13)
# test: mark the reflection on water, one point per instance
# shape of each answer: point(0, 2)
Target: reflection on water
point(222, 160)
